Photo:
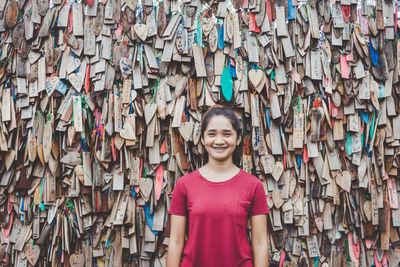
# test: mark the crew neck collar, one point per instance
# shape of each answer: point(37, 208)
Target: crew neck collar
point(217, 183)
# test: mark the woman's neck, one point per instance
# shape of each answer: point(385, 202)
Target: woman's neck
point(220, 167)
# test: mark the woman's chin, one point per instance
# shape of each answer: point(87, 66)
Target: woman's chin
point(219, 158)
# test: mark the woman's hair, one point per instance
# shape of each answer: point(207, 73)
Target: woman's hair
point(219, 110)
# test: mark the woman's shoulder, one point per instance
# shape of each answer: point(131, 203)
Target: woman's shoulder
point(188, 177)
point(249, 178)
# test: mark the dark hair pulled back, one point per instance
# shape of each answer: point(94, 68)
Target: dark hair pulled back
point(219, 110)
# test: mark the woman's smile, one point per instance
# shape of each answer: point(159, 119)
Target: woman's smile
point(220, 149)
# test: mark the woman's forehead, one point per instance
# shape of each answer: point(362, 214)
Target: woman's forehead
point(219, 122)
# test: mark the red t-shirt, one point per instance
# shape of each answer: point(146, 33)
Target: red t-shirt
point(217, 218)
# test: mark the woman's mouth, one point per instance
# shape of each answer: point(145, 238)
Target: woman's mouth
point(220, 148)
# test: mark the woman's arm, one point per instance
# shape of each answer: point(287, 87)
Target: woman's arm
point(259, 240)
point(176, 240)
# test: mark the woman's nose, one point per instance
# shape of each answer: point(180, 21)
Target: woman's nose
point(219, 138)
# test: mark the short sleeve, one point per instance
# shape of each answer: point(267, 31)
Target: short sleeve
point(259, 203)
point(179, 200)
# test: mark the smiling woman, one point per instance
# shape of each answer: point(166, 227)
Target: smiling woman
point(216, 201)
point(220, 125)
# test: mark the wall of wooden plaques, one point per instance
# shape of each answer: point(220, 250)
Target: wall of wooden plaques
point(101, 102)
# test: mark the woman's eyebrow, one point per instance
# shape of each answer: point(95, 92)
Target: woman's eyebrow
point(224, 130)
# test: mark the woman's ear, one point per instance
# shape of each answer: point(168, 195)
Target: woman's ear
point(202, 140)
point(239, 139)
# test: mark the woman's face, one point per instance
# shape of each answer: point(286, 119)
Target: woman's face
point(220, 139)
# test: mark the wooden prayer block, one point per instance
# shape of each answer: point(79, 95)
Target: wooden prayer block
point(199, 61)
point(255, 111)
point(338, 20)
point(117, 113)
point(89, 44)
point(316, 72)
point(87, 171)
point(179, 106)
point(77, 113)
point(252, 48)
point(120, 213)
point(312, 245)
point(275, 107)
point(313, 22)
point(298, 129)
point(281, 21)
point(275, 139)
point(77, 14)
point(45, 27)
point(6, 105)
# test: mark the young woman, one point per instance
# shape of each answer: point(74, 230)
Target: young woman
point(216, 202)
